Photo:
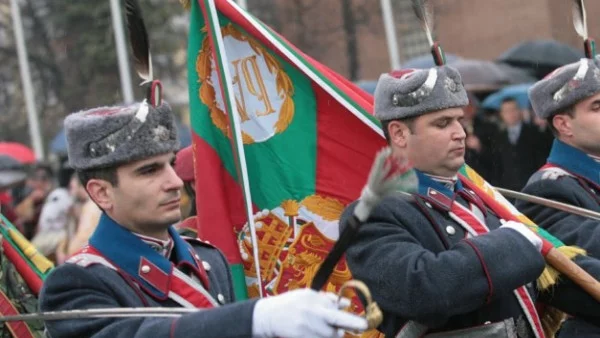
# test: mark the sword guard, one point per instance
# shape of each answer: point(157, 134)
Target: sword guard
point(373, 313)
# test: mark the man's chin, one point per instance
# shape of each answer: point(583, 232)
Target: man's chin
point(174, 218)
point(456, 164)
point(169, 219)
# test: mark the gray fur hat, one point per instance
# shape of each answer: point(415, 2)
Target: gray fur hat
point(109, 136)
point(413, 92)
point(565, 87)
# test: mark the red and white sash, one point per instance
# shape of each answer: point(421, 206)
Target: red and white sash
point(476, 227)
point(473, 222)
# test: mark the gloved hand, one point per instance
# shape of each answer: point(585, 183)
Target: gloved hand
point(525, 231)
point(303, 313)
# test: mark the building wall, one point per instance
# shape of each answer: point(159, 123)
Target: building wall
point(480, 29)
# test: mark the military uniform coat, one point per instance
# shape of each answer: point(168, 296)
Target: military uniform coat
point(421, 265)
point(570, 177)
point(86, 283)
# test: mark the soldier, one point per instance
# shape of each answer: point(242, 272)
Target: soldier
point(184, 168)
point(441, 263)
point(569, 99)
point(124, 158)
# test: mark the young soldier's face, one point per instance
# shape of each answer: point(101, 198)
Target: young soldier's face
point(583, 129)
point(147, 195)
point(434, 143)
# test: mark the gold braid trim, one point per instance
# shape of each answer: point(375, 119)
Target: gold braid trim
point(553, 318)
point(550, 275)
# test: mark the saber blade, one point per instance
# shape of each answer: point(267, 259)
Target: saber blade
point(100, 313)
point(550, 203)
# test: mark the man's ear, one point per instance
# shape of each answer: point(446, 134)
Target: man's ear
point(398, 132)
point(101, 192)
point(562, 123)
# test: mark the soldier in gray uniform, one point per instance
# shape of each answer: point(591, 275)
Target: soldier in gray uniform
point(124, 157)
point(441, 263)
point(569, 99)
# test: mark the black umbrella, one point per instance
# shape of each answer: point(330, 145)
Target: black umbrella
point(487, 76)
point(11, 172)
point(540, 57)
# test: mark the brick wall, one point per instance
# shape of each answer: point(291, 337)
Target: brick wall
point(481, 29)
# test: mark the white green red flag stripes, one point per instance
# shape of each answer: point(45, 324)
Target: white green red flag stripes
point(308, 140)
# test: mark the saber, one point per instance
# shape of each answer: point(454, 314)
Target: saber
point(100, 313)
point(550, 203)
point(147, 312)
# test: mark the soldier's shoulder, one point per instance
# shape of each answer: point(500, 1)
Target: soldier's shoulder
point(199, 243)
point(553, 179)
point(83, 265)
point(208, 252)
point(88, 256)
point(66, 276)
point(549, 174)
point(398, 206)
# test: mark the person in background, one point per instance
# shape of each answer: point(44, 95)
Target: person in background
point(480, 133)
point(518, 150)
point(53, 222)
point(37, 188)
point(184, 167)
point(546, 137)
point(83, 217)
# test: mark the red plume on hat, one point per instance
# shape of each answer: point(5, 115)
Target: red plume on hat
point(140, 46)
point(184, 164)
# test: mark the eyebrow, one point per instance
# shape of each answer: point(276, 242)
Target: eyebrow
point(445, 117)
point(152, 165)
point(145, 167)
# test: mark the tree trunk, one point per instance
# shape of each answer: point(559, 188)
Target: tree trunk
point(349, 24)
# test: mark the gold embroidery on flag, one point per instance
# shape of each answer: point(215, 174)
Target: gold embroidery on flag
point(246, 75)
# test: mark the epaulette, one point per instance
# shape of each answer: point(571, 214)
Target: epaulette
point(194, 240)
point(88, 256)
point(550, 173)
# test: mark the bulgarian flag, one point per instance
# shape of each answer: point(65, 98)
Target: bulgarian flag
point(281, 145)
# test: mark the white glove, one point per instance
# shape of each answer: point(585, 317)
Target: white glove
point(525, 231)
point(303, 313)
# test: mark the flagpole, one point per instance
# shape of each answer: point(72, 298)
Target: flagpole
point(32, 118)
point(390, 33)
point(236, 135)
point(305, 67)
point(123, 58)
